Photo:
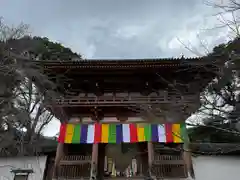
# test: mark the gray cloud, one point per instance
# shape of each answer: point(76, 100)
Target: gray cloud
point(118, 29)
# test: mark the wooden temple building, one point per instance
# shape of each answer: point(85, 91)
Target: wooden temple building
point(126, 118)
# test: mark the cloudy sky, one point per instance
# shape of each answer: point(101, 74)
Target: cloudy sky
point(119, 28)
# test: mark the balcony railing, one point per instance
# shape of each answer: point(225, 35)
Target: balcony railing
point(114, 100)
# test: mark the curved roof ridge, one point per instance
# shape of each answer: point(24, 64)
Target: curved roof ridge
point(126, 60)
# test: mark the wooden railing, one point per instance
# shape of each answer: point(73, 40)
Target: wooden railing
point(125, 100)
point(75, 160)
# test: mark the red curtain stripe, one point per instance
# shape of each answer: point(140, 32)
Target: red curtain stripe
point(62, 131)
point(169, 133)
point(133, 132)
point(98, 132)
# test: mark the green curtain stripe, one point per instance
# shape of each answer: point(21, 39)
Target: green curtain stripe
point(112, 137)
point(76, 134)
point(148, 132)
point(184, 134)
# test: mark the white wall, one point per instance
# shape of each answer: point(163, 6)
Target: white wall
point(36, 163)
point(217, 168)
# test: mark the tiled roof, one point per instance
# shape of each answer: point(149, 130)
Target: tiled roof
point(125, 63)
point(216, 148)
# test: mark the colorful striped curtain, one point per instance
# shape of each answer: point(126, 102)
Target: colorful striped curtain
point(121, 133)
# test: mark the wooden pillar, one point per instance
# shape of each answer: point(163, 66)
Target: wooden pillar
point(187, 156)
point(93, 172)
point(94, 164)
point(144, 159)
point(59, 155)
point(101, 161)
point(150, 155)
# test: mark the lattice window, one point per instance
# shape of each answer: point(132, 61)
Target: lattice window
point(169, 163)
point(169, 166)
point(75, 167)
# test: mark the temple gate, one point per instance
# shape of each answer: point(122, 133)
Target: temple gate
point(126, 118)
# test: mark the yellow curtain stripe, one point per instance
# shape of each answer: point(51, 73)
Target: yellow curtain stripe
point(69, 133)
point(105, 131)
point(176, 129)
point(140, 132)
